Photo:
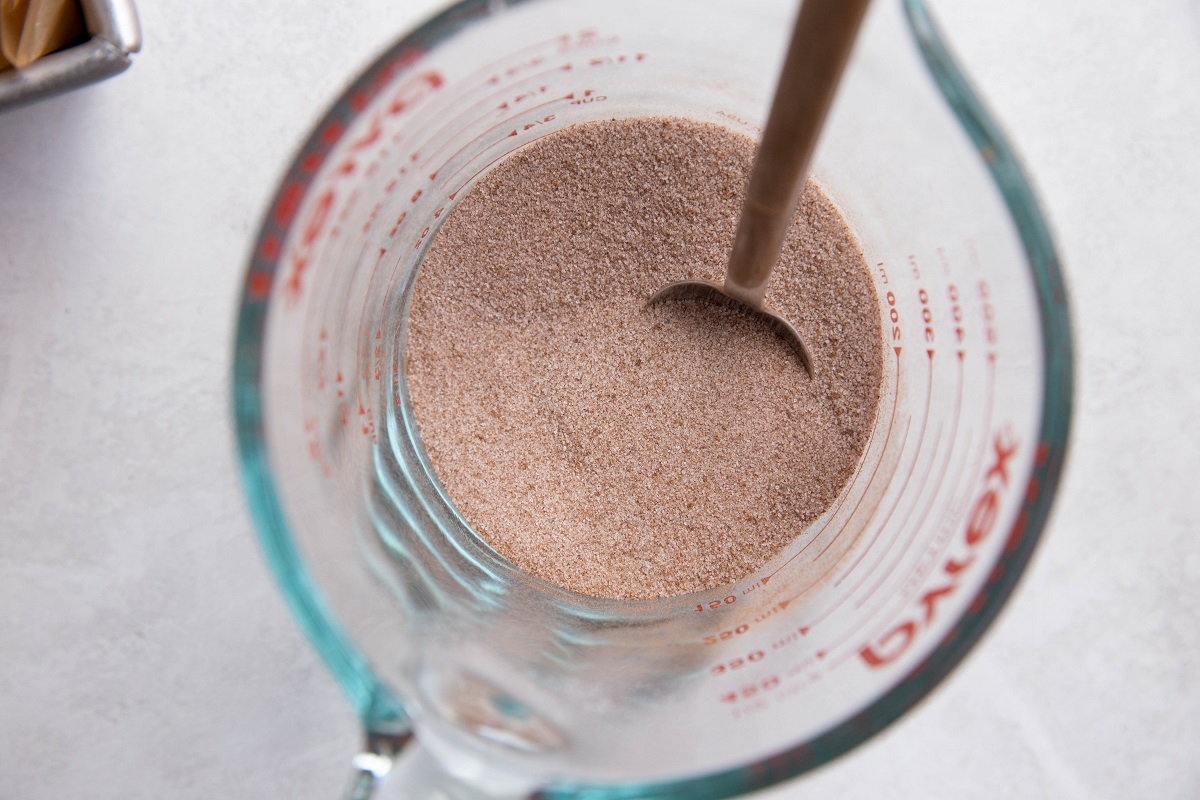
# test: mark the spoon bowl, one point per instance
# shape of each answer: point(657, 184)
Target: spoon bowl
point(715, 294)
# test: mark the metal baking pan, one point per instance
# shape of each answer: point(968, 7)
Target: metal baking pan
point(115, 34)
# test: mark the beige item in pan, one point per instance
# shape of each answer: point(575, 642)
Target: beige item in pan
point(12, 20)
point(30, 29)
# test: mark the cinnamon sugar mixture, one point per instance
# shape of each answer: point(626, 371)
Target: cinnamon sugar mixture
point(617, 449)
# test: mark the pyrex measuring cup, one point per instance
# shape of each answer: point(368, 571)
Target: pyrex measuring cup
point(515, 687)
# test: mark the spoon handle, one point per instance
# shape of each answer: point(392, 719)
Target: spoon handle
point(823, 36)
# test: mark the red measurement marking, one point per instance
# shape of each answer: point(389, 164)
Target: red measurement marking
point(399, 222)
point(585, 38)
point(373, 134)
point(523, 96)
point(735, 118)
point(989, 313)
point(625, 58)
point(288, 202)
point(926, 317)
point(714, 604)
point(371, 282)
point(332, 132)
point(588, 96)
point(775, 609)
point(259, 285)
point(531, 125)
point(421, 238)
point(312, 162)
point(753, 657)
point(957, 315)
point(366, 227)
point(469, 144)
point(413, 91)
point(751, 690)
point(487, 166)
point(300, 260)
point(515, 70)
point(406, 95)
point(389, 70)
point(317, 219)
point(894, 316)
point(348, 206)
point(916, 268)
point(454, 122)
point(945, 259)
point(493, 67)
point(726, 635)
point(270, 248)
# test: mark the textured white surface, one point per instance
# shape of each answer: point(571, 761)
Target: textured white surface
point(144, 650)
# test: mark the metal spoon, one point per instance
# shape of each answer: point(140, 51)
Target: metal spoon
point(822, 38)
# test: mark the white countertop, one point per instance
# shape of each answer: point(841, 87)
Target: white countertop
point(144, 649)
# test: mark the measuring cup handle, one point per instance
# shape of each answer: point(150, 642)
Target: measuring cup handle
point(396, 766)
point(821, 42)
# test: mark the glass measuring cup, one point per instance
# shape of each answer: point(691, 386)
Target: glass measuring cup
point(514, 686)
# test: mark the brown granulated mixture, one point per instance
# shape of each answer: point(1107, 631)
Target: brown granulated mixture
point(617, 449)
